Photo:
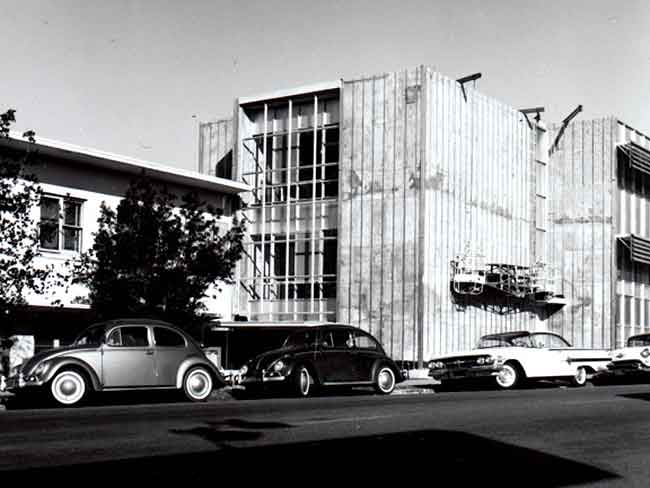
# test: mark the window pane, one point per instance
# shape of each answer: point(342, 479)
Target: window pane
point(167, 338)
point(71, 239)
point(71, 213)
point(49, 224)
point(49, 208)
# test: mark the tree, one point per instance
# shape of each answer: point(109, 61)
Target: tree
point(157, 256)
point(19, 233)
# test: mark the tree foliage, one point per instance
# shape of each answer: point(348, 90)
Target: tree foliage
point(157, 255)
point(19, 233)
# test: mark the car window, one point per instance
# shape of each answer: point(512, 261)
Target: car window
point(302, 338)
point(363, 341)
point(165, 337)
point(129, 336)
point(639, 341)
point(342, 339)
point(92, 335)
point(549, 341)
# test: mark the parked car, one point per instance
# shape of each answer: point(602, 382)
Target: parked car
point(125, 354)
point(321, 356)
point(511, 358)
point(632, 360)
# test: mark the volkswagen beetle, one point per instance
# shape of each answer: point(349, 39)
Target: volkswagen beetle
point(320, 356)
point(124, 354)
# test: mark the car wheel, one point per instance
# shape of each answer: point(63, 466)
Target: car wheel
point(197, 384)
point(580, 378)
point(303, 381)
point(509, 376)
point(384, 380)
point(68, 387)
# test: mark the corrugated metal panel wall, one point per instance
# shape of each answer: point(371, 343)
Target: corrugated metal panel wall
point(582, 216)
point(215, 144)
point(632, 280)
point(378, 198)
point(478, 186)
point(423, 174)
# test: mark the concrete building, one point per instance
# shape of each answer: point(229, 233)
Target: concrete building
point(75, 182)
point(429, 214)
point(599, 231)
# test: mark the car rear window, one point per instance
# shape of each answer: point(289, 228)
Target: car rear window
point(165, 337)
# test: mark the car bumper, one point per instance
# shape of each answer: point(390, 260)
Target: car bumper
point(621, 369)
point(14, 383)
point(464, 373)
point(256, 381)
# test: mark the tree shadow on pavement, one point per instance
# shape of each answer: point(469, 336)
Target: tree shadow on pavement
point(434, 456)
point(230, 430)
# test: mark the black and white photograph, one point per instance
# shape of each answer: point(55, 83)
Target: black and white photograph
point(301, 242)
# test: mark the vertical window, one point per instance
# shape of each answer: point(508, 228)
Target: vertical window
point(60, 224)
point(49, 225)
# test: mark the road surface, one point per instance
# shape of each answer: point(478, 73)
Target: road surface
point(595, 436)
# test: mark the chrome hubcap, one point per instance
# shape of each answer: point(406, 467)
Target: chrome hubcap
point(506, 376)
point(68, 388)
point(199, 384)
point(581, 376)
point(385, 379)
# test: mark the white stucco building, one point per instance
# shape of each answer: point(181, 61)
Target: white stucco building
point(75, 181)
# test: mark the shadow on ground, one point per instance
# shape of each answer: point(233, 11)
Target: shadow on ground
point(432, 456)
point(637, 396)
point(40, 400)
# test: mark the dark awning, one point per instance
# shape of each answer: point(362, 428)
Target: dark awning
point(639, 248)
point(638, 156)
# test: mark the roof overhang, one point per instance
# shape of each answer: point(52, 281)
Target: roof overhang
point(291, 92)
point(123, 164)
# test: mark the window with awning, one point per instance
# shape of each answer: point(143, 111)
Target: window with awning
point(638, 156)
point(639, 248)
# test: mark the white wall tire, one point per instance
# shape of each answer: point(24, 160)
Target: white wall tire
point(68, 388)
point(197, 384)
point(385, 381)
point(509, 376)
point(303, 382)
point(580, 378)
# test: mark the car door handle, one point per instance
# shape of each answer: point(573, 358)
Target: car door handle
point(149, 353)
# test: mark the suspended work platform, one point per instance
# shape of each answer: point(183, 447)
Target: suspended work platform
point(503, 288)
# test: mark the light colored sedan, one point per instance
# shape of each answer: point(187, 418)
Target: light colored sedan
point(125, 354)
point(511, 358)
point(632, 360)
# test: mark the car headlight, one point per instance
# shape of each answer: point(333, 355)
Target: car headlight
point(278, 366)
point(40, 369)
point(243, 370)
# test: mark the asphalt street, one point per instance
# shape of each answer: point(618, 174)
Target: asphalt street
point(595, 436)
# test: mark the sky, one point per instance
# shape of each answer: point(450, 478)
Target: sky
point(135, 77)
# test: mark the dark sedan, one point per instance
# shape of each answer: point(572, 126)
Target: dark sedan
point(127, 354)
point(324, 355)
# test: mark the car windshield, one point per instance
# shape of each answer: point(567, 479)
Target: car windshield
point(505, 341)
point(639, 341)
point(300, 339)
point(92, 335)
